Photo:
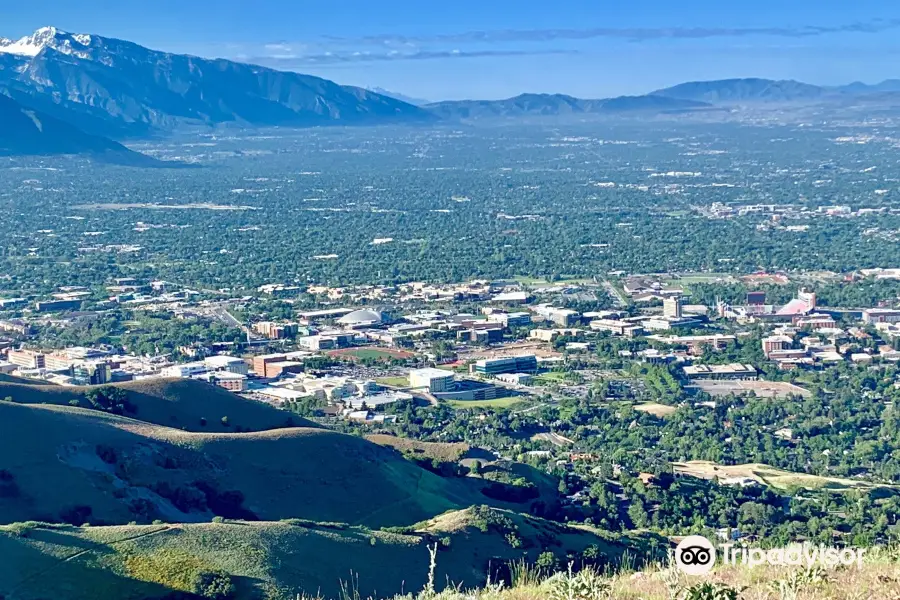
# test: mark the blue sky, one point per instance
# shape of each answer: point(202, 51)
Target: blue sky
point(499, 48)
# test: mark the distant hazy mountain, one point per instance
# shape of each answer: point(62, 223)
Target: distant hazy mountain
point(25, 131)
point(557, 104)
point(743, 90)
point(857, 87)
point(399, 96)
point(117, 87)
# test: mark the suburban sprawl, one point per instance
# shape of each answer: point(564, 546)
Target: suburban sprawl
point(263, 336)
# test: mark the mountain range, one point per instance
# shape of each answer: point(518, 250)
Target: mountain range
point(66, 93)
point(559, 104)
point(117, 88)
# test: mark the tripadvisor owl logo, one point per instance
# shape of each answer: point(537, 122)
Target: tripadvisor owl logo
point(695, 555)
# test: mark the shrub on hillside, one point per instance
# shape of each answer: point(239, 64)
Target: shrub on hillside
point(584, 585)
point(711, 591)
point(216, 585)
point(110, 399)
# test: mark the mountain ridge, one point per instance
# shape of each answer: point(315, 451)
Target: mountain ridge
point(559, 104)
point(122, 87)
point(29, 132)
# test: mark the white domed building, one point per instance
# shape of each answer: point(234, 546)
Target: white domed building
point(360, 319)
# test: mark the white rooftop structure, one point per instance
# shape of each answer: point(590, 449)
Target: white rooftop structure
point(361, 318)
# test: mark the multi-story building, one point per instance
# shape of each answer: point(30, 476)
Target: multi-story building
point(233, 382)
point(225, 363)
point(672, 307)
point(880, 315)
point(526, 363)
point(775, 343)
point(436, 380)
point(185, 370)
point(57, 305)
point(616, 327)
point(481, 335)
point(276, 331)
point(260, 363)
point(816, 322)
point(279, 367)
point(27, 359)
point(563, 317)
point(9, 303)
point(91, 373)
point(516, 319)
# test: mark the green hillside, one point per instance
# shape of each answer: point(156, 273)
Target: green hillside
point(279, 560)
point(180, 403)
point(115, 470)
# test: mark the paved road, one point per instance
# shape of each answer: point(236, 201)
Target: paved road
point(615, 294)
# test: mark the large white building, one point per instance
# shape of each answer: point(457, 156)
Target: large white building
point(185, 370)
point(436, 380)
point(231, 364)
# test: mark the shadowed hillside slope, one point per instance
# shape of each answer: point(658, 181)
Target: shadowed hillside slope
point(115, 470)
point(280, 560)
point(180, 403)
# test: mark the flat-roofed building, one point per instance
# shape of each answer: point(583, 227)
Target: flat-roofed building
point(276, 331)
point(516, 297)
point(27, 359)
point(515, 378)
point(481, 335)
point(313, 316)
point(225, 363)
point(436, 380)
point(260, 362)
point(192, 369)
point(716, 341)
point(616, 327)
point(881, 315)
point(526, 363)
point(516, 319)
point(731, 371)
point(57, 305)
point(233, 382)
point(672, 307)
point(564, 317)
point(277, 368)
point(775, 343)
point(548, 335)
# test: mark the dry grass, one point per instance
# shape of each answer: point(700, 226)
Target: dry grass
point(180, 403)
point(113, 465)
point(770, 476)
point(657, 410)
point(444, 452)
point(284, 559)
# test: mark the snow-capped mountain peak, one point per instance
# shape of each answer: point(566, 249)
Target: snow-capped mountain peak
point(51, 37)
